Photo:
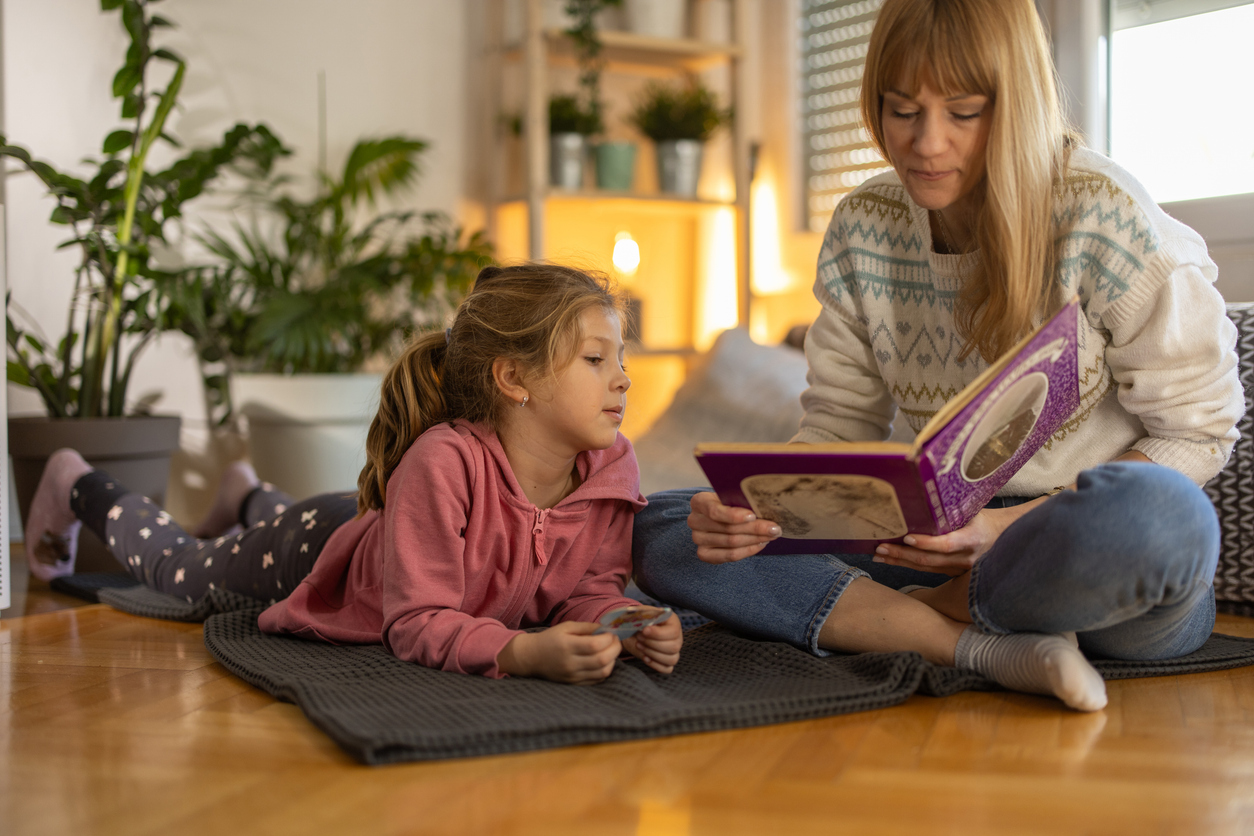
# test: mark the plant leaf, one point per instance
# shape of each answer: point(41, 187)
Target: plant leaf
point(126, 80)
point(117, 141)
point(131, 105)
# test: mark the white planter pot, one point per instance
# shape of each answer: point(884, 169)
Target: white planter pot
point(567, 153)
point(679, 166)
point(307, 433)
point(657, 18)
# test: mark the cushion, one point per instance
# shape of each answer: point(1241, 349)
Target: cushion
point(738, 391)
point(1232, 490)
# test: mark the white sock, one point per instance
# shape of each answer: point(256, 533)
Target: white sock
point(1035, 663)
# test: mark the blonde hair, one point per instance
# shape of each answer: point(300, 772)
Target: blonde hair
point(998, 49)
point(528, 313)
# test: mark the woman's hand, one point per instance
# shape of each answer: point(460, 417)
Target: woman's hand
point(956, 552)
point(723, 533)
point(657, 645)
point(566, 652)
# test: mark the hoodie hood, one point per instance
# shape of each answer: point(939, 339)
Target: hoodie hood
point(611, 473)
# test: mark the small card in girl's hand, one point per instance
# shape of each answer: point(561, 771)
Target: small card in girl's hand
point(631, 620)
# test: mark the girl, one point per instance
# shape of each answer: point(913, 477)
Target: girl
point(498, 494)
point(992, 217)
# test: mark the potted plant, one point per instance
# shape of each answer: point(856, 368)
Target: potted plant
point(116, 213)
point(573, 120)
point(571, 124)
point(679, 119)
point(306, 295)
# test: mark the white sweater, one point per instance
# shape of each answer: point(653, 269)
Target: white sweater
point(1158, 372)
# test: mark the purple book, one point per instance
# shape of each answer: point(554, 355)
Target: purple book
point(849, 497)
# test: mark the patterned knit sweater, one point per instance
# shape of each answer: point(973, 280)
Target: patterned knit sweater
point(1157, 367)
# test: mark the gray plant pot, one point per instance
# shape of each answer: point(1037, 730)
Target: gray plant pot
point(567, 153)
point(679, 166)
point(136, 450)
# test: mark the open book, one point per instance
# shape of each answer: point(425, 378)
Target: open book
point(848, 497)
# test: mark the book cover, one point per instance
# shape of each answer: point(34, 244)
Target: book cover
point(849, 497)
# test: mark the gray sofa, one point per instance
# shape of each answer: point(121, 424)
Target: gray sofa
point(742, 391)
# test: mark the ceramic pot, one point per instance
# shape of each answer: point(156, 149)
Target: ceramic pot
point(616, 166)
point(307, 432)
point(567, 153)
point(679, 166)
point(135, 450)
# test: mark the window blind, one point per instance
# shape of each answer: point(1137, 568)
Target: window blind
point(837, 149)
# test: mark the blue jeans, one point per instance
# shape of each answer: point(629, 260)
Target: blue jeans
point(1126, 561)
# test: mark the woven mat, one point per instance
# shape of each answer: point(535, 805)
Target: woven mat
point(382, 710)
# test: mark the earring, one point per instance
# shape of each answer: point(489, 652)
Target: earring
point(523, 402)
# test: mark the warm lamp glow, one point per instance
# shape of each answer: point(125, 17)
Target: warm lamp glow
point(716, 288)
point(626, 254)
point(769, 276)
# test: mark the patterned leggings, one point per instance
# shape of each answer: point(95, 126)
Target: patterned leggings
point(273, 553)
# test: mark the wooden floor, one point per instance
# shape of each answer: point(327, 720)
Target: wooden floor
point(119, 724)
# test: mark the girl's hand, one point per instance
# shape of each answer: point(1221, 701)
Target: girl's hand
point(723, 533)
point(956, 552)
point(566, 652)
point(657, 645)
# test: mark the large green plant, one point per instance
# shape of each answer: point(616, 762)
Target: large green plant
point(325, 283)
point(117, 213)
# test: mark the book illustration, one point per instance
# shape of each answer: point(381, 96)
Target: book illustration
point(826, 506)
point(1003, 429)
point(847, 497)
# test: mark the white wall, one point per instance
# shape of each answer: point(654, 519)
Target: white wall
point(392, 66)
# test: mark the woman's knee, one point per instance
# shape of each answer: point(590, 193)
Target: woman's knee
point(661, 540)
point(1151, 514)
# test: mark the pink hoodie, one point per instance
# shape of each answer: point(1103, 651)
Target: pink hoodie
point(459, 558)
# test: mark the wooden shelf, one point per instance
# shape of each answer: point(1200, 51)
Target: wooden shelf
point(630, 49)
point(657, 199)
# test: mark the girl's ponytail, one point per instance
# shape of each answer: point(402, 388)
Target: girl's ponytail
point(410, 402)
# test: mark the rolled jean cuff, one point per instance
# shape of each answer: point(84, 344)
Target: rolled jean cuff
point(978, 618)
point(815, 627)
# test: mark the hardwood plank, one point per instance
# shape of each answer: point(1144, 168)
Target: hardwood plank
point(115, 724)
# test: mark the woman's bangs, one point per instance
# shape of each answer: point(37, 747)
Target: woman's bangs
point(958, 60)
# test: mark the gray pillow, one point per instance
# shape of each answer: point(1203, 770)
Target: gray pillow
point(738, 391)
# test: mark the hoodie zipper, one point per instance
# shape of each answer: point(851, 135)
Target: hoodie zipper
point(537, 535)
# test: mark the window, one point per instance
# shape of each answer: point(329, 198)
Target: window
point(837, 151)
point(1182, 73)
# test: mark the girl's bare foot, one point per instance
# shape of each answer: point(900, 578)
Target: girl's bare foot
point(238, 481)
point(51, 528)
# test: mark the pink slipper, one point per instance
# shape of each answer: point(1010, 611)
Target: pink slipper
point(51, 528)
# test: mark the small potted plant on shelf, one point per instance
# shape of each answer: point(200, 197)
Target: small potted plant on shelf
point(303, 299)
point(571, 124)
point(679, 119)
point(116, 215)
point(574, 120)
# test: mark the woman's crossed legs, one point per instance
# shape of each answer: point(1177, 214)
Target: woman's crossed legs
point(1150, 598)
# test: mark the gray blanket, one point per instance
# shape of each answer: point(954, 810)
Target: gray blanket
point(382, 710)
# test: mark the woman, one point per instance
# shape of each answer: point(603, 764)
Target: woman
point(991, 218)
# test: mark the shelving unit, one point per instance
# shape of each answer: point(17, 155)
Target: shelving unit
point(533, 221)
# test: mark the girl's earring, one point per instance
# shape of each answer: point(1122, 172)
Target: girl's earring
point(523, 402)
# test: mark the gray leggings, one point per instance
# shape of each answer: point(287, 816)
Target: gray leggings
point(276, 548)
